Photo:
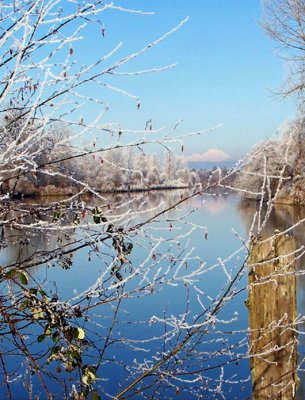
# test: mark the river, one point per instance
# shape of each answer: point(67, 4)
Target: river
point(180, 268)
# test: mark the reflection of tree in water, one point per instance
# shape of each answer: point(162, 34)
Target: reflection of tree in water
point(22, 244)
point(28, 240)
point(281, 218)
point(285, 299)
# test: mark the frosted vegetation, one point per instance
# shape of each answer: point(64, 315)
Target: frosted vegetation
point(129, 296)
point(118, 169)
point(122, 168)
point(275, 169)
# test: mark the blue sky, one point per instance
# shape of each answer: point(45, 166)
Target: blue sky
point(227, 68)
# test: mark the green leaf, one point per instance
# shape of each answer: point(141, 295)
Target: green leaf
point(110, 228)
point(56, 215)
point(80, 334)
point(37, 312)
point(55, 350)
point(129, 248)
point(11, 273)
point(24, 305)
point(89, 375)
point(97, 219)
point(23, 276)
point(55, 337)
point(69, 366)
point(47, 331)
point(85, 392)
point(95, 396)
point(76, 220)
point(41, 338)
point(75, 355)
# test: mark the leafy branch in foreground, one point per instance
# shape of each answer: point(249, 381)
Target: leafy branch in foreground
point(112, 296)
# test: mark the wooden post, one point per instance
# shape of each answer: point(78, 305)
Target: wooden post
point(272, 308)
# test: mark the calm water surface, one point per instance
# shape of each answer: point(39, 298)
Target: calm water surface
point(219, 224)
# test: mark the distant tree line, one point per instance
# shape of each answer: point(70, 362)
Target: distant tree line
point(127, 169)
point(110, 170)
point(57, 167)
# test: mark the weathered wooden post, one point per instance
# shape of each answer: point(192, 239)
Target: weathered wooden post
point(272, 308)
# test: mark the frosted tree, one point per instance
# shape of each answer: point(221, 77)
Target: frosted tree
point(284, 22)
point(90, 343)
point(47, 139)
point(274, 169)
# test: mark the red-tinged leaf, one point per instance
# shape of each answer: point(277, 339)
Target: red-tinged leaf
point(35, 87)
point(102, 161)
point(83, 214)
point(65, 74)
point(152, 290)
point(154, 256)
point(120, 133)
point(71, 51)
point(103, 31)
point(54, 31)
point(177, 392)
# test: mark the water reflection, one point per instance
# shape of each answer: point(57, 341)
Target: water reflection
point(21, 243)
point(268, 303)
point(281, 218)
point(217, 214)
